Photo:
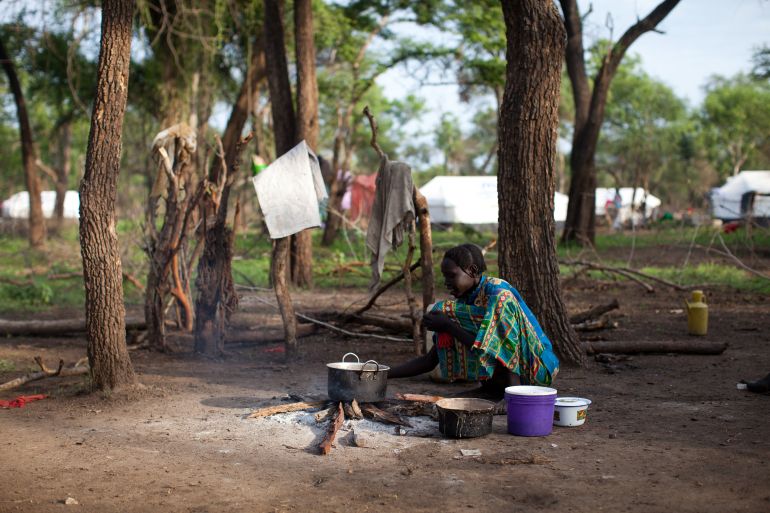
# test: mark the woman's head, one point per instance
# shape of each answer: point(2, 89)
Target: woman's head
point(462, 267)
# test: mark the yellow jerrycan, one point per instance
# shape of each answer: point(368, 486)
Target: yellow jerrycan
point(697, 313)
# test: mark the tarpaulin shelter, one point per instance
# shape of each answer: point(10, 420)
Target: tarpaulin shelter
point(17, 206)
point(747, 193)
point(359, 197)
point(626, 211)
point(471, 200)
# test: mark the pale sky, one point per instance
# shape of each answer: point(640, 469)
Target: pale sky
point(702, 38)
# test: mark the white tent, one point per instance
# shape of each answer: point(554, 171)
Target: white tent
point(726, 200)
point(627, 211)
point(471, 200)
point(17, 206)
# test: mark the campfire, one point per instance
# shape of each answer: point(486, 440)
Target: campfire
point(389, 411)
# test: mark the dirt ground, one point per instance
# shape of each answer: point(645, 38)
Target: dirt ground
point(664, 433)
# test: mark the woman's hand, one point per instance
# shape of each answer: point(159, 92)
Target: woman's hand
point(438, 322)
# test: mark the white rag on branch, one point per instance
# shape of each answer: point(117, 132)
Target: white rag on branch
point(289, 191)
point(392, 212)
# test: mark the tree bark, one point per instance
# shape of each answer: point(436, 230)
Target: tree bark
point(216, 298)
point(284, 130)
point(307, 127)
point(37, 229)
point(63, 169)
point(580, 225)
point(102, 269)
point(527, 137)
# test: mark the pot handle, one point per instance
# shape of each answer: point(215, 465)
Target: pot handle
point(377, 368)
point(354, 354)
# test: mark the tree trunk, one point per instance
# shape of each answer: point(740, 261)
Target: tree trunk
point(216, 296)
point(580, 226)
point(63, 169)
point(307, 127)
point(37, 229)
point(307, 86)
point(284, 130)
point(527, 137)
point(338, 185)
point(102, 269)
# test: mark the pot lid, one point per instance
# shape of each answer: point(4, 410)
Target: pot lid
point(529, 390)
point(572, 401)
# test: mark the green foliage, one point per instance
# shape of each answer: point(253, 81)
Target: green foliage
point(735, 118)
point(7, 366)
point(644, 127)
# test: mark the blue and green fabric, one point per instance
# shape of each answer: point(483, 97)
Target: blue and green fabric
point(506, 331)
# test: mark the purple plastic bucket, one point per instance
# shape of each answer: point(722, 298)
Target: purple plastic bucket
point(530, 410)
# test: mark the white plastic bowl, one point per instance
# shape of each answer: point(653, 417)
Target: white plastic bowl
point(570, 411)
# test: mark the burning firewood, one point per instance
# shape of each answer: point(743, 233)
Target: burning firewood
point(285, 408)
point(326, 444)
point(379, 415)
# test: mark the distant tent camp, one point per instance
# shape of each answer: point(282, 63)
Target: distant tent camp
point(471, 200)
point(626, 211)
point(17, 206)
point(747, 193)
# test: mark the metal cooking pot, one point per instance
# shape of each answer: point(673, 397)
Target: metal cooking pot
point(465, 418)
point(365, 382)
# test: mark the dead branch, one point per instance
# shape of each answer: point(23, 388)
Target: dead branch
point(326, 444)
point(623, 272)
point(648, 346)
point(133, 280)
point(383, 288)
point(45, 372)
point(286, 408)
point(594, 312)
point(373, 125)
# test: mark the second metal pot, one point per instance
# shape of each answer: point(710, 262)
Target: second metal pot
point(465, 418)
point(365, 382)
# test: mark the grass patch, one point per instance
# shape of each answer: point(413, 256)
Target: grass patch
point(7, 366)
point(25, 283)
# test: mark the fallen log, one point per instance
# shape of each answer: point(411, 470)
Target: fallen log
point(264, 335)
point(286, 408)
point(45, 372)
point(593, 313)
point(599, 324)
point(326, 444)
point(56, 327)
point(647, 346)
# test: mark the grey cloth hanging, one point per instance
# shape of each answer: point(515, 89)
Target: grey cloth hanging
point(392, 212)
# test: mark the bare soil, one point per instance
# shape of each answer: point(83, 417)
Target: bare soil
point(664, 433)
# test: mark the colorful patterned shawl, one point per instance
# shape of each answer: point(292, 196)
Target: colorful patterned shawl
point(506, 331)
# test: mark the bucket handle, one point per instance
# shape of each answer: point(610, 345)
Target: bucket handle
point(363, 367)
point(348, 354)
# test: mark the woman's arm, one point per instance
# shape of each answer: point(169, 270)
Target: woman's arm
point(441, 323)
point(416, 366)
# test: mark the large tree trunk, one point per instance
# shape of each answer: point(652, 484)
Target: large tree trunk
point(102, 268)
point(284, 130)
point(36, 219)
point(216, 297)
point(589, 113)
point(307, 127)
point(527, 137)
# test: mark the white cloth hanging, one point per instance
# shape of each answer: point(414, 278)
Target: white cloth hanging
point(289, 190)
